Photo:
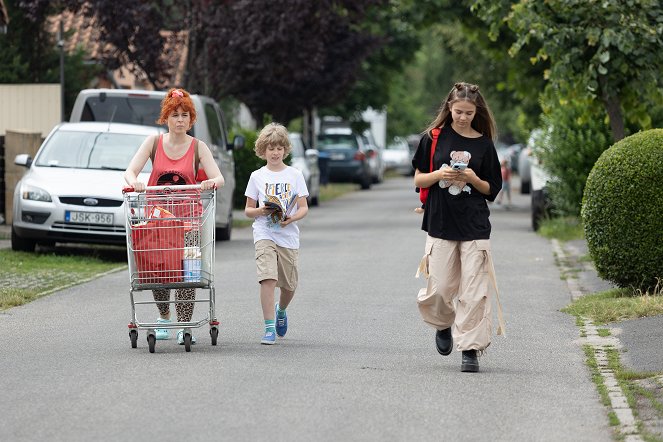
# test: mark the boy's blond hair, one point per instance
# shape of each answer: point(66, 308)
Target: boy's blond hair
point(273, 134)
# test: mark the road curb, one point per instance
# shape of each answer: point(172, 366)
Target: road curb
point(600, 345)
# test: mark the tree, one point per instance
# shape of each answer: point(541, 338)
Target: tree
point(458, 45)
point(129, 32)
point(611, 48)
point(293, 55)
point(28, 54)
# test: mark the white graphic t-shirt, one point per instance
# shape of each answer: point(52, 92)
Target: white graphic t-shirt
point(284, 185)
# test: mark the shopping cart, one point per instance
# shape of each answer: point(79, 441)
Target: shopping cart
point(170, 245)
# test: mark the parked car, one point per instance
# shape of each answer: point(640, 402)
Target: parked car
point(397, 156)
point(524, 161)
point(306, 160)
point(143, 107)
point(348, 159)
point(71, 191)
point(375, 157)
point(541, 206)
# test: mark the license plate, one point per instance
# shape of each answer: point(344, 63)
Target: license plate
point(337, 156)
point(88, 217)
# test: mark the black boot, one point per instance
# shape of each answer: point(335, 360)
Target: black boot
point(444, 342)
point(470, 362)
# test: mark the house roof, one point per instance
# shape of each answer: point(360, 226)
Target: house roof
point(83, 32)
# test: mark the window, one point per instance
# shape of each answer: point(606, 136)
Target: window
point(90, 150)
point(213, 125)
point(132, 110)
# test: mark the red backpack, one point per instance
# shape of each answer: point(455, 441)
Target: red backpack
point(423, 192)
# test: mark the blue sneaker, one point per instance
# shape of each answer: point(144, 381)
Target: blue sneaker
point(162, 334)
point(281, 323)
point(269, 338)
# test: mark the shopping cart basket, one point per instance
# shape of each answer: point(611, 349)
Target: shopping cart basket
point(170, 245)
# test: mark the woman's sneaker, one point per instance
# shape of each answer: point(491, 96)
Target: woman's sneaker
point(162, 334)
point(180, 337)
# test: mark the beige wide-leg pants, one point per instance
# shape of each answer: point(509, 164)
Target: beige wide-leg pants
point(459, 271)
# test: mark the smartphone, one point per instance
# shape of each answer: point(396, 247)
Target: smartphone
point(459, 166)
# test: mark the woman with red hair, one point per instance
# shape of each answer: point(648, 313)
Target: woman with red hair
point(173, 156)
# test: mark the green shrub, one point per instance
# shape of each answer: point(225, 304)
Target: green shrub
point(623, 211)
point(577, 137)
point(246, 162)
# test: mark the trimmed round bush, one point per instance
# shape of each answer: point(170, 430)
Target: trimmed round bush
point(622, 211)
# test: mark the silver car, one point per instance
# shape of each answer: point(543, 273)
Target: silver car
point(397, 156)
point(306, 161)
point(72, 190)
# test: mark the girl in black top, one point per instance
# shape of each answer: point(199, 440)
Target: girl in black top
point(466, 174)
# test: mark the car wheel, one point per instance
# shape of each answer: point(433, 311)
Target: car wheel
point(365, 183)
point(524, 187)
point(540, 208)
point(22, 244)
point(224, 233)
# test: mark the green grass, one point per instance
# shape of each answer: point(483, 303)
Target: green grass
point(615, 305)
point(603, 332)
point(334, 190)
point(25, 277)
point(241, 223)
point(563, 229)
point(596, 377)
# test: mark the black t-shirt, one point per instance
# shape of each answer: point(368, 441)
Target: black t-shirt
point(459, 212)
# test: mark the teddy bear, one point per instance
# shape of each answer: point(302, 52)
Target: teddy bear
point(456, 187)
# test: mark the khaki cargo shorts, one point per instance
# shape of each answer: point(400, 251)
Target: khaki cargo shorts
point(276, 262)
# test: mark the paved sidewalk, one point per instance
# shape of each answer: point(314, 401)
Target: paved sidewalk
point(640, 337)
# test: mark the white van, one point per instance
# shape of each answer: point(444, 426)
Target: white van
point(143, 107)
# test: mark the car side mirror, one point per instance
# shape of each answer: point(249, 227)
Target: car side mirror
point(312, 154)
point(238, 142)
point(23, 159)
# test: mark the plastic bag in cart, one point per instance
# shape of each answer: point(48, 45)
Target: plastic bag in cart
point(158, 247)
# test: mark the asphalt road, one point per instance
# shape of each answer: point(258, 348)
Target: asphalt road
point(357, 363)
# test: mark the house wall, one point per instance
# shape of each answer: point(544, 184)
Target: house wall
point(29, 107)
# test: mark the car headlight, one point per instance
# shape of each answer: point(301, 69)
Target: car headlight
point(35, 194)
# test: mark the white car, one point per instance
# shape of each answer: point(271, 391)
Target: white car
point(397, 156)
point(72, 190)
point(306, 161)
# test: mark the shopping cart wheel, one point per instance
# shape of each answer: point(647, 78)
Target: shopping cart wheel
point(133, 335)
point(151, 341)
point(187, 341)
point(214, 333)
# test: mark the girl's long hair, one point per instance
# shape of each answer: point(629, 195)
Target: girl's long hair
point(483, 121)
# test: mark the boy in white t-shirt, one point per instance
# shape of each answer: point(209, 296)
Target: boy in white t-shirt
point(275, 232)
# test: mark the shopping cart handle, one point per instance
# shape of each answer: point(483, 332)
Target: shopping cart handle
point(127, 189)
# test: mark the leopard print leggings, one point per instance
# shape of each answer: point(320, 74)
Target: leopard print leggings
point(162, 296)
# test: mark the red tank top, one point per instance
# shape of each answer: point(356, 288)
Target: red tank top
point(169, 172)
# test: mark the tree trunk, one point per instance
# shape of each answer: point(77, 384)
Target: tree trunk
point(613, 108)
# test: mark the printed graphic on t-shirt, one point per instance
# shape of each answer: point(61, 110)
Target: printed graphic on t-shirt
point(284, 193)
point(456, 187)
point(171, 178)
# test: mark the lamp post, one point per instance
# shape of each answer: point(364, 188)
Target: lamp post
point(61, 46)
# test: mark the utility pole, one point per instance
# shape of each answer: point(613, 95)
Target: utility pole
point(61, 46)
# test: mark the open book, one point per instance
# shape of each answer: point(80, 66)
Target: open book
point(280, 213)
